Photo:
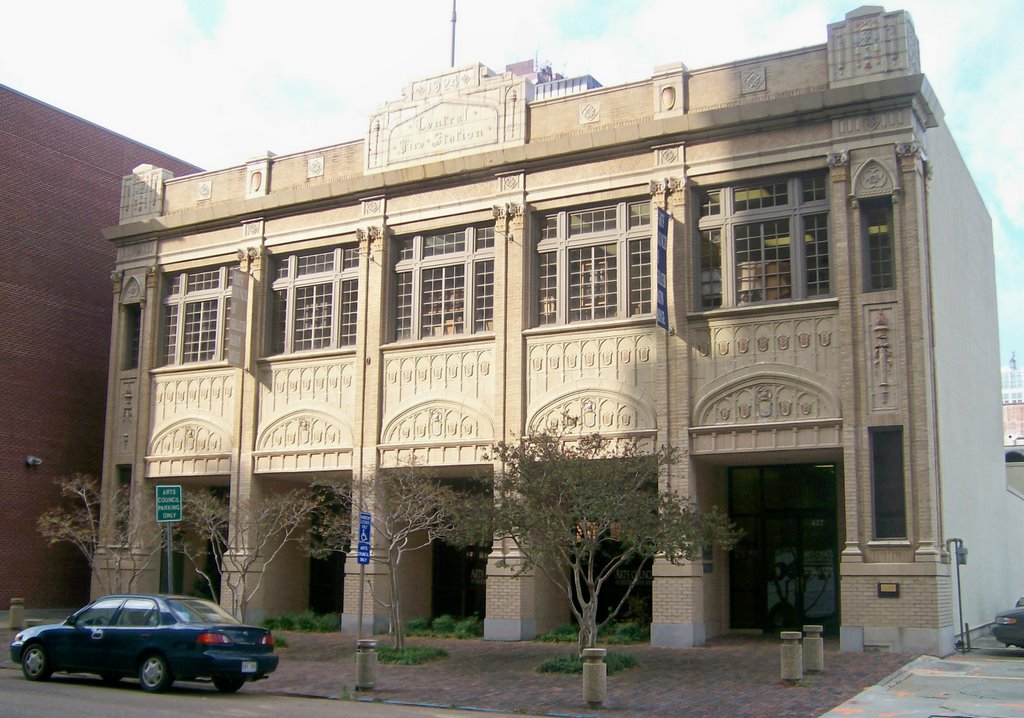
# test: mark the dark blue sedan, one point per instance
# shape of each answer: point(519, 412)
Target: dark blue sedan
point(159, 639)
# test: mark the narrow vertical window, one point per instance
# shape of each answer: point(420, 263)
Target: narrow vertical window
point(547, 288)
point(888, 491)
point(640, 276)
point(710, 268)
point(880, 261)
point(816, 255)
point(483, 296)
point(132, 335)
point(403, 305)
point(279, 320)
point(349, 312)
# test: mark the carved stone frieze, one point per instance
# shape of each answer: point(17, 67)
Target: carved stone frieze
point(872, 179)
point(191, 437)
point(290, 387)
point(178, 396)
point(593, 411)
point(409, 377)
point(132, 291)
point(458, 112)
point(305, 430)
point(726, 347)
point(627, 359)
point(438, 421)
point(766, 398)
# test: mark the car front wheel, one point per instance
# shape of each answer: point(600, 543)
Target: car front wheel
point(155, 674)
point(35, 663)
point(227, 684)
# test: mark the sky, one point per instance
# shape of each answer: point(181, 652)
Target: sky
point(215, 82)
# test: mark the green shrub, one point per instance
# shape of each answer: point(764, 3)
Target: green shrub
point(443, 625)
point(306, 621)
point(573, 664)
point(625, 633)
point(418, 627)
point(410, 655)
point(563, 634)
point(469, 627)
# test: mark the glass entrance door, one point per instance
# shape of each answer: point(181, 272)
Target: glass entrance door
point(783, 572)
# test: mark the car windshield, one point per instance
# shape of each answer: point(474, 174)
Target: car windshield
point(198, 610)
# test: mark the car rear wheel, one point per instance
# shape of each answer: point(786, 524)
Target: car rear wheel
point(227, 684)
point(155, 674)
point(35, 662)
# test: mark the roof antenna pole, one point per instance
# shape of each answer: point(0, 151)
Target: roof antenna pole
point(453, 33)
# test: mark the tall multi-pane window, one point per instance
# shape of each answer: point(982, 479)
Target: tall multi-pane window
point(763, 242)
point(444, 283)
point(879, 259)
point(315, 301)
point(195, 315)
point(594, 263)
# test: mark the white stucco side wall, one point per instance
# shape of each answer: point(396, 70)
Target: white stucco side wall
point(976, 503)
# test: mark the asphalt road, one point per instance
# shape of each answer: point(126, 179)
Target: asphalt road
point(82, 697)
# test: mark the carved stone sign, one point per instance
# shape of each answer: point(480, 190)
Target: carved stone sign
point(459, 112)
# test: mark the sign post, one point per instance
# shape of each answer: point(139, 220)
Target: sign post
point(168, 511)
point(363, 557)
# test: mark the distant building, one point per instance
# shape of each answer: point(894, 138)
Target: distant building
point(483, 262)
point(1013, 403)
point(60, 183)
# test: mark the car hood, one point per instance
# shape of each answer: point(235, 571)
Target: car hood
point(33, 631)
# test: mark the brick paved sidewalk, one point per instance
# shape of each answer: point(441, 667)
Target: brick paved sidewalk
point(731, 677)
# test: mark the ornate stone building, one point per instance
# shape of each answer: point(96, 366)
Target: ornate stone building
point(761, 263)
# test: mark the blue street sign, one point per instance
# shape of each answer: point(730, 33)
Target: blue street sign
point(363, 548)
point(661, 315)
point(364, 527)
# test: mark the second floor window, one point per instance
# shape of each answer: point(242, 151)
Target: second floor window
point(763, 242)
point(444, 283)
point(197, 307)
point(315, 300)
point(594, 263)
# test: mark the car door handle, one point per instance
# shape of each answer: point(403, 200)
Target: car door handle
point(97, 633)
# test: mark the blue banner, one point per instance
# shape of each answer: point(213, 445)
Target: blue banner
point(662, 270)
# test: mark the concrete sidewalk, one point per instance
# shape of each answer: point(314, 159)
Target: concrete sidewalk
point(988, 681)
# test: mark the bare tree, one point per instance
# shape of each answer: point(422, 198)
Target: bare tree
point(117, 549)
point(244, 538)
point(411, 509)
point(580, 509)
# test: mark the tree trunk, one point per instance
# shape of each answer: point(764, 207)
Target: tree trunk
point(397, 629)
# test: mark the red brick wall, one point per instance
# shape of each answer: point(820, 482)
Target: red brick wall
point(60, 184)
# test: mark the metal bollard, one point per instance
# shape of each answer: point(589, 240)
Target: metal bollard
point(16, 618)
point(792, 657)
point(366, 664)
point(595, 677)
point(814, 649)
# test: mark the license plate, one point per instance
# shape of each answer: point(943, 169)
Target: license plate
point(248, 666)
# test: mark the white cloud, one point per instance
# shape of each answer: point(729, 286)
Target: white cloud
point(291, 76)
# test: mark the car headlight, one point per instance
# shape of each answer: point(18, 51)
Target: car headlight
point(19, 638)
point(1006, 620)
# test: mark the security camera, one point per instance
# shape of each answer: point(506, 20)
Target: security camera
point(33, 461)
